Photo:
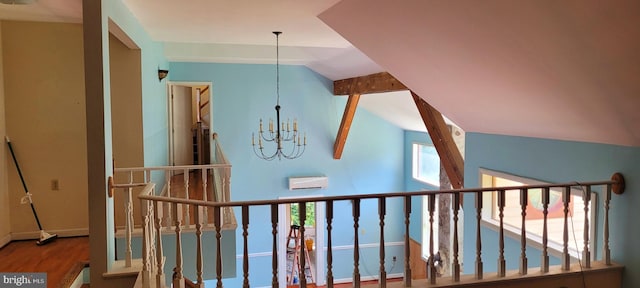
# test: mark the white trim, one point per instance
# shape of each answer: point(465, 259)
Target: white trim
point(368, 245)
point(5, 240)
point(62, 233)
point(341, 247)
point(253, 255)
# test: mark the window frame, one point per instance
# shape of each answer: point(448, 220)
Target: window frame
point(489, 203)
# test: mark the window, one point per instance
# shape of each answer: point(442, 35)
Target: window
point(426, 164)
point(534, 216)
point(310, 221)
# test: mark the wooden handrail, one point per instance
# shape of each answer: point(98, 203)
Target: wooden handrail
point(372, 196)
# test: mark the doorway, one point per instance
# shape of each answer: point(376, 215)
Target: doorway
point(314, 234)
point(190, 120)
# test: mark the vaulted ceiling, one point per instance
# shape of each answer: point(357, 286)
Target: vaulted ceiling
point(567, 69)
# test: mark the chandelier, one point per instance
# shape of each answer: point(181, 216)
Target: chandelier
point(281, 134)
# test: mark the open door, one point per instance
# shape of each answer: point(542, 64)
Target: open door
point(189, 121)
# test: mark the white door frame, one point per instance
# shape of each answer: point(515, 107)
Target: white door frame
point(170, 85)
point(282, 240)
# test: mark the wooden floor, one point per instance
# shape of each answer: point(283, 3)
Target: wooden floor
point(56, 258)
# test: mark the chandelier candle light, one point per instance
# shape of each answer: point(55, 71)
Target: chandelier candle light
point(282, 132)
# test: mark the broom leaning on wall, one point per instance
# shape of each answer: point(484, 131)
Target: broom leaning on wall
point(44, 236)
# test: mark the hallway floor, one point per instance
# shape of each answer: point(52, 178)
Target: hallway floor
point(56, 258)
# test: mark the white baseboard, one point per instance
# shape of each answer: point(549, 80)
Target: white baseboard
point(362, 279)
point(368, 278)
point(61, 233)
point(5, 240)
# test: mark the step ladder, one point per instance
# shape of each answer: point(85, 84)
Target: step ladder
point(293, 258)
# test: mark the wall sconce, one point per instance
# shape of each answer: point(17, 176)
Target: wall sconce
point(162, 74)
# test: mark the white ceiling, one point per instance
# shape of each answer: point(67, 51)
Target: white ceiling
point(565, 69)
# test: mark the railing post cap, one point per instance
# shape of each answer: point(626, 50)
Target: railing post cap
point(619, 186)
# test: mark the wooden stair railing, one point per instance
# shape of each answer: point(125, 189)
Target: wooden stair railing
point(616, 185)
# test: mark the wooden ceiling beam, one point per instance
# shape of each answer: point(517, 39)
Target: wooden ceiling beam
point(345, 125)
point(443, 141)
point(374, 83)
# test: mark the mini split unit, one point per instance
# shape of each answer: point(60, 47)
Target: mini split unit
point(314, 182)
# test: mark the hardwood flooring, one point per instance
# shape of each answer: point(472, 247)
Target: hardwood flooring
point(56, 258)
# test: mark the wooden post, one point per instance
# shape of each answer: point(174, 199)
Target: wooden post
point(544, 262)
point(382, 211)
point(566, 258)
point(606, 252)
point(274, 249)
point(245, 239)
point(329, 216)
point(479, 270)
point(502, 269)
point(302, 215)
point(524, 201)
point(356, 245)
point(456, 263)
point(217, 218)
point(407, 249)
point(586, 254)
point(432, 269)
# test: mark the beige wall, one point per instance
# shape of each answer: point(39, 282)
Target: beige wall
point(126, 119)
point(5, 223)
point(45, 118)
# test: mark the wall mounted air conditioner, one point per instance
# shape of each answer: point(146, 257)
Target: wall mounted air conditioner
point(313, 182)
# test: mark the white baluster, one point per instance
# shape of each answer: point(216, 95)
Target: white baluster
point(205, 196)
point(146, 233)
point(167, 206)
point(187, 219)
point(178, 280)
point(128, 227)
point(160, 279)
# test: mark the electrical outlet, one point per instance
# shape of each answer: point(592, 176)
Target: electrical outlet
point(55, 185)
point(394, 259)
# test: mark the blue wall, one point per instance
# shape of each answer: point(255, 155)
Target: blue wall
point(557, 161)
point(372, 160)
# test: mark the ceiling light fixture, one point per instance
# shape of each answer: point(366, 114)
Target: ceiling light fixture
point(282, 132)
